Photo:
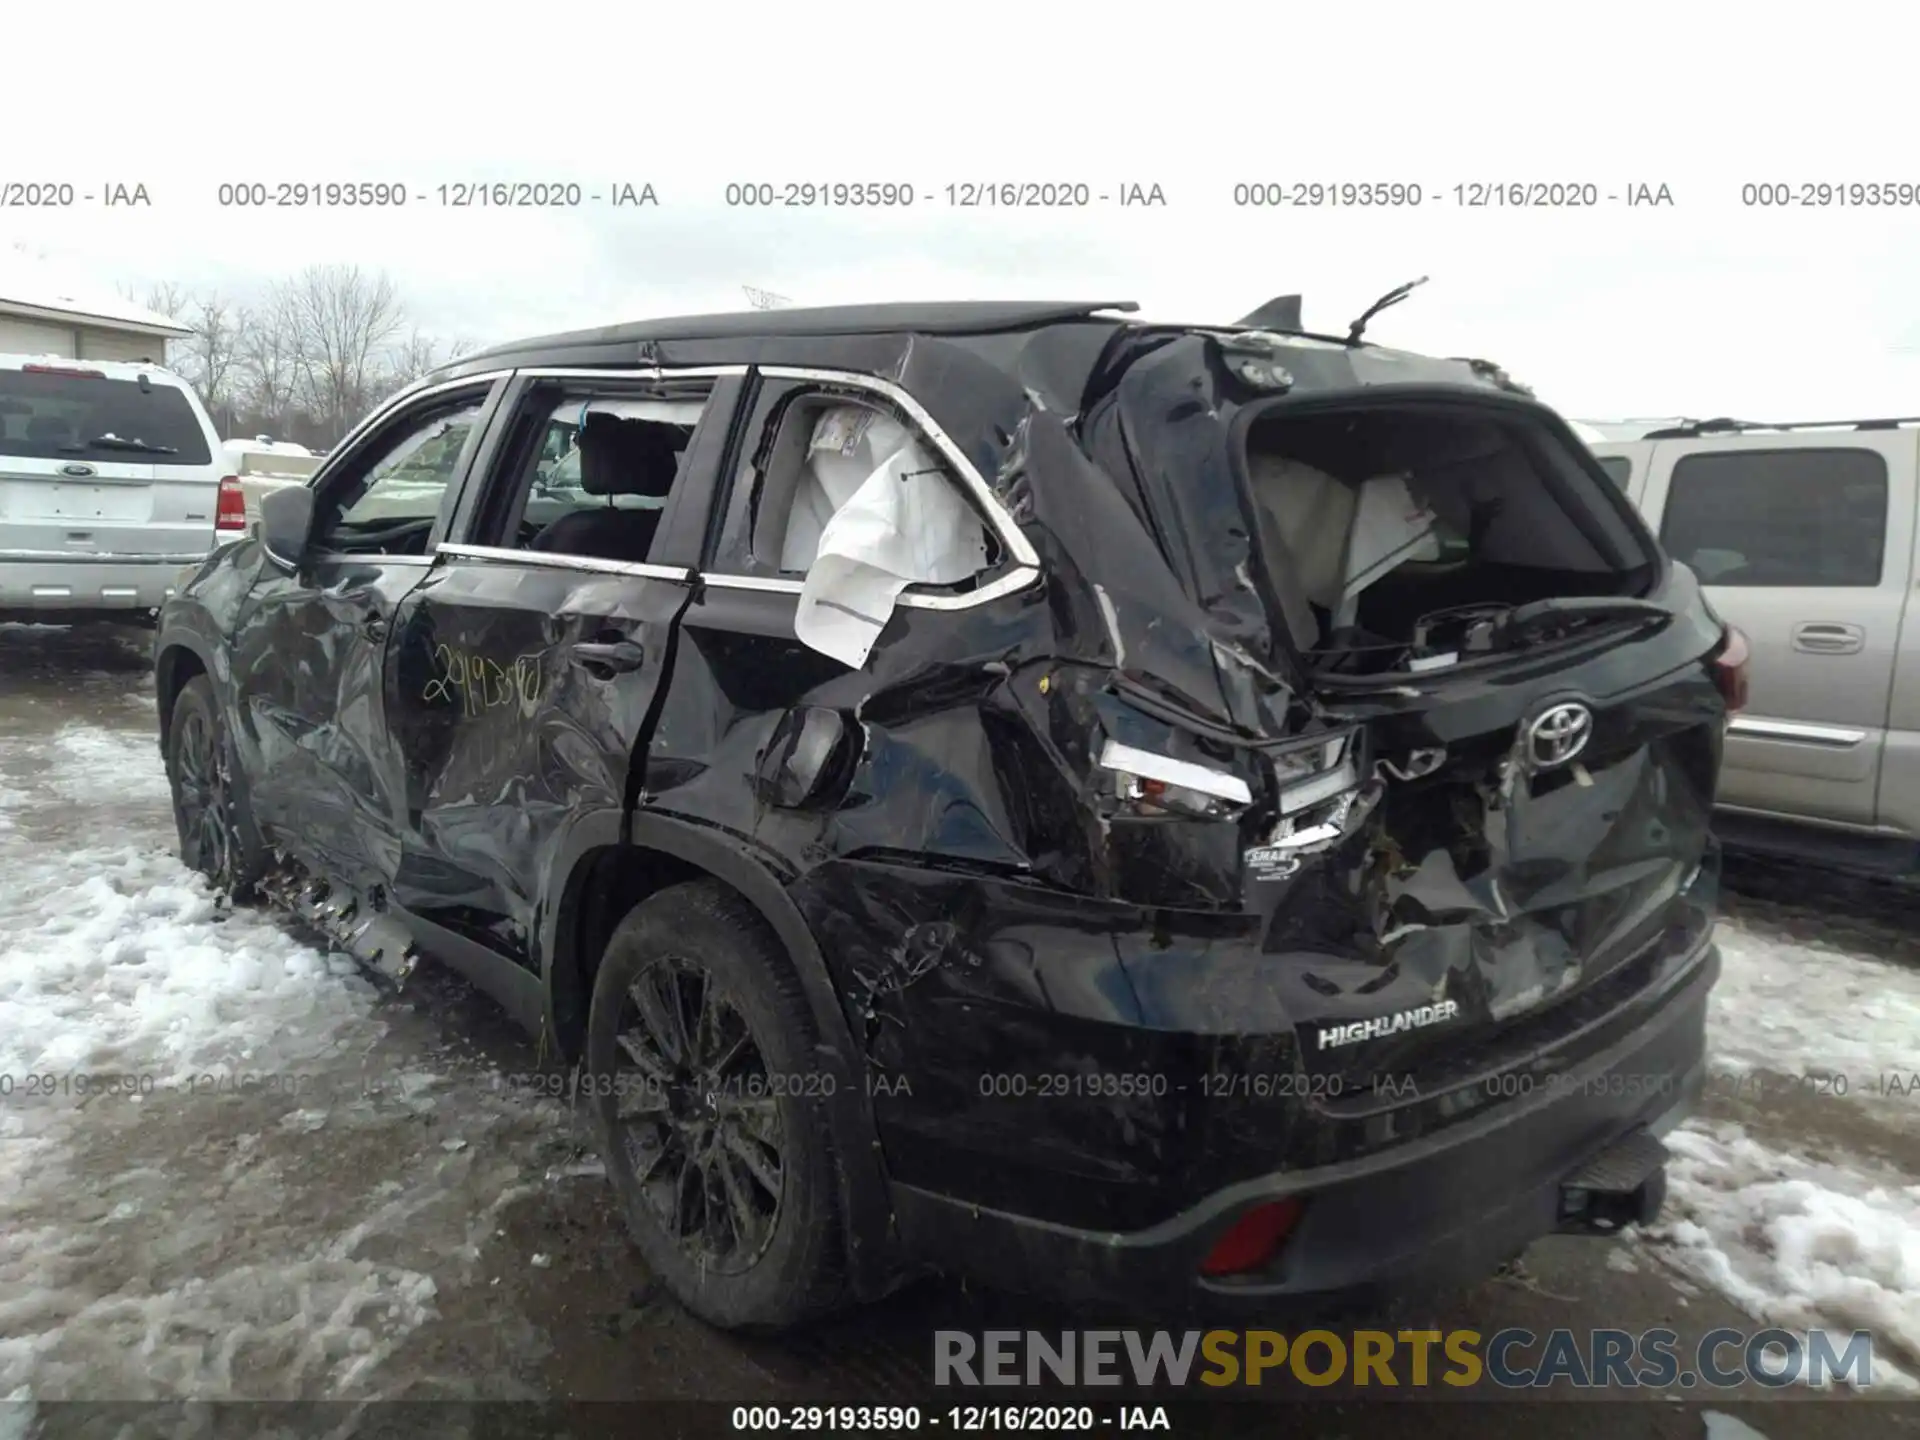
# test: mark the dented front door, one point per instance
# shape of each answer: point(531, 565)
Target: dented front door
point(309, 645)
point(308, 652)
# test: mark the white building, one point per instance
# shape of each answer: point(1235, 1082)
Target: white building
point(45, 312)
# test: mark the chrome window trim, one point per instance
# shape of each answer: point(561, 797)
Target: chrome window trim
point(762, 583)
point(633, 372)
point(1836, 737)
point(1014, 580)
point(347, 557)
point(541, 560)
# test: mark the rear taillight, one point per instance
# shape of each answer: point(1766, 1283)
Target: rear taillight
point(63, 370)
point(1730, 670)
point(230, 518)
point(1151, 783)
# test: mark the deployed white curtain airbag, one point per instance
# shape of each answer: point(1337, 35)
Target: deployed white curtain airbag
point(874, 513)
point(1390, 526)
point(1342, 538)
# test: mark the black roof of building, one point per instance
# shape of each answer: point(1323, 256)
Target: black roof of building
point(947, 317)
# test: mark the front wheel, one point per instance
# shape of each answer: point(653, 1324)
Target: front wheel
point(209, 809)
point(711, 1110)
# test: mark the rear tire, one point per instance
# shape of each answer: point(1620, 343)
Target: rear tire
point(712, 1113)
point(210, 812)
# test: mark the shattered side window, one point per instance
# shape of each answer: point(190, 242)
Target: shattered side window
point(853, 500)
point(392, 505)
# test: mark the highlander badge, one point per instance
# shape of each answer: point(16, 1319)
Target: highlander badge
point(1415, 1019)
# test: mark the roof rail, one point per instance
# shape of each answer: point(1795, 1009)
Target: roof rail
point(1693, 429)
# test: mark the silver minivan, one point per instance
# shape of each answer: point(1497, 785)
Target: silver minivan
point(110, 485)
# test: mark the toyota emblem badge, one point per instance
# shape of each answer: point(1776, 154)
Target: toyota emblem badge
point(1559, 734)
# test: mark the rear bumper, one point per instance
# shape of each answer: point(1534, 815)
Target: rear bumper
point(1442, 1209)
point(102, 583)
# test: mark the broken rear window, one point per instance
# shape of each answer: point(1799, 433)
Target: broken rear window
point(1377, 519)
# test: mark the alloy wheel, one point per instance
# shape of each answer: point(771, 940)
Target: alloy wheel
point(201, 796)
point(697, 1116)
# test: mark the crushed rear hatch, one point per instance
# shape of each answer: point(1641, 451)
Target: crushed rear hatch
point(1481, 710)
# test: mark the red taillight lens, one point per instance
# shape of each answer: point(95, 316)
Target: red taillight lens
point(1730, 672)
point(231, 516)
point(1253, 1239)
point(63, 370)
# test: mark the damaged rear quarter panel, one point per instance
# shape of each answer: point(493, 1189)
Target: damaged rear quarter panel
point(966, 887)
point(1067, 994)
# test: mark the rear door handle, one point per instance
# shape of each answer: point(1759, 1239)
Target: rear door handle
point(1819, 638)
point(610, 658)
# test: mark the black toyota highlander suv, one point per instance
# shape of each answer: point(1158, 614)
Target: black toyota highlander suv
point(1167, 815)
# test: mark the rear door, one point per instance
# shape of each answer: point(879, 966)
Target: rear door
point(93, 464)
point(524, 680)
point(1803, 540)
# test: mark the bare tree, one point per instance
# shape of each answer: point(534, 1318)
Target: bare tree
point(166, 299)
point(345, 319)
point(210, 356)
point(412, 358)
point(305, 361)
point(270, 360)
point(417, 356)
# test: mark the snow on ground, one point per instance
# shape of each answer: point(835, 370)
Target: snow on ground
point(1798, 1242)
point(285, 1195)
point(107, 767)
point(118, 959)
point(308, 1177)
point(1806, 1007)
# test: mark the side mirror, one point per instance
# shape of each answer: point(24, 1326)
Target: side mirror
point(286, 523)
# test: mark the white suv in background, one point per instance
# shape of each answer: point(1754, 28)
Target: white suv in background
point(110, 485)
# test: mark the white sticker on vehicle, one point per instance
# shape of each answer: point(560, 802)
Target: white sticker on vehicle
point(1271, 862)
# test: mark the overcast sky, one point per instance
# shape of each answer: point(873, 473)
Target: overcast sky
point(1703, 307)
